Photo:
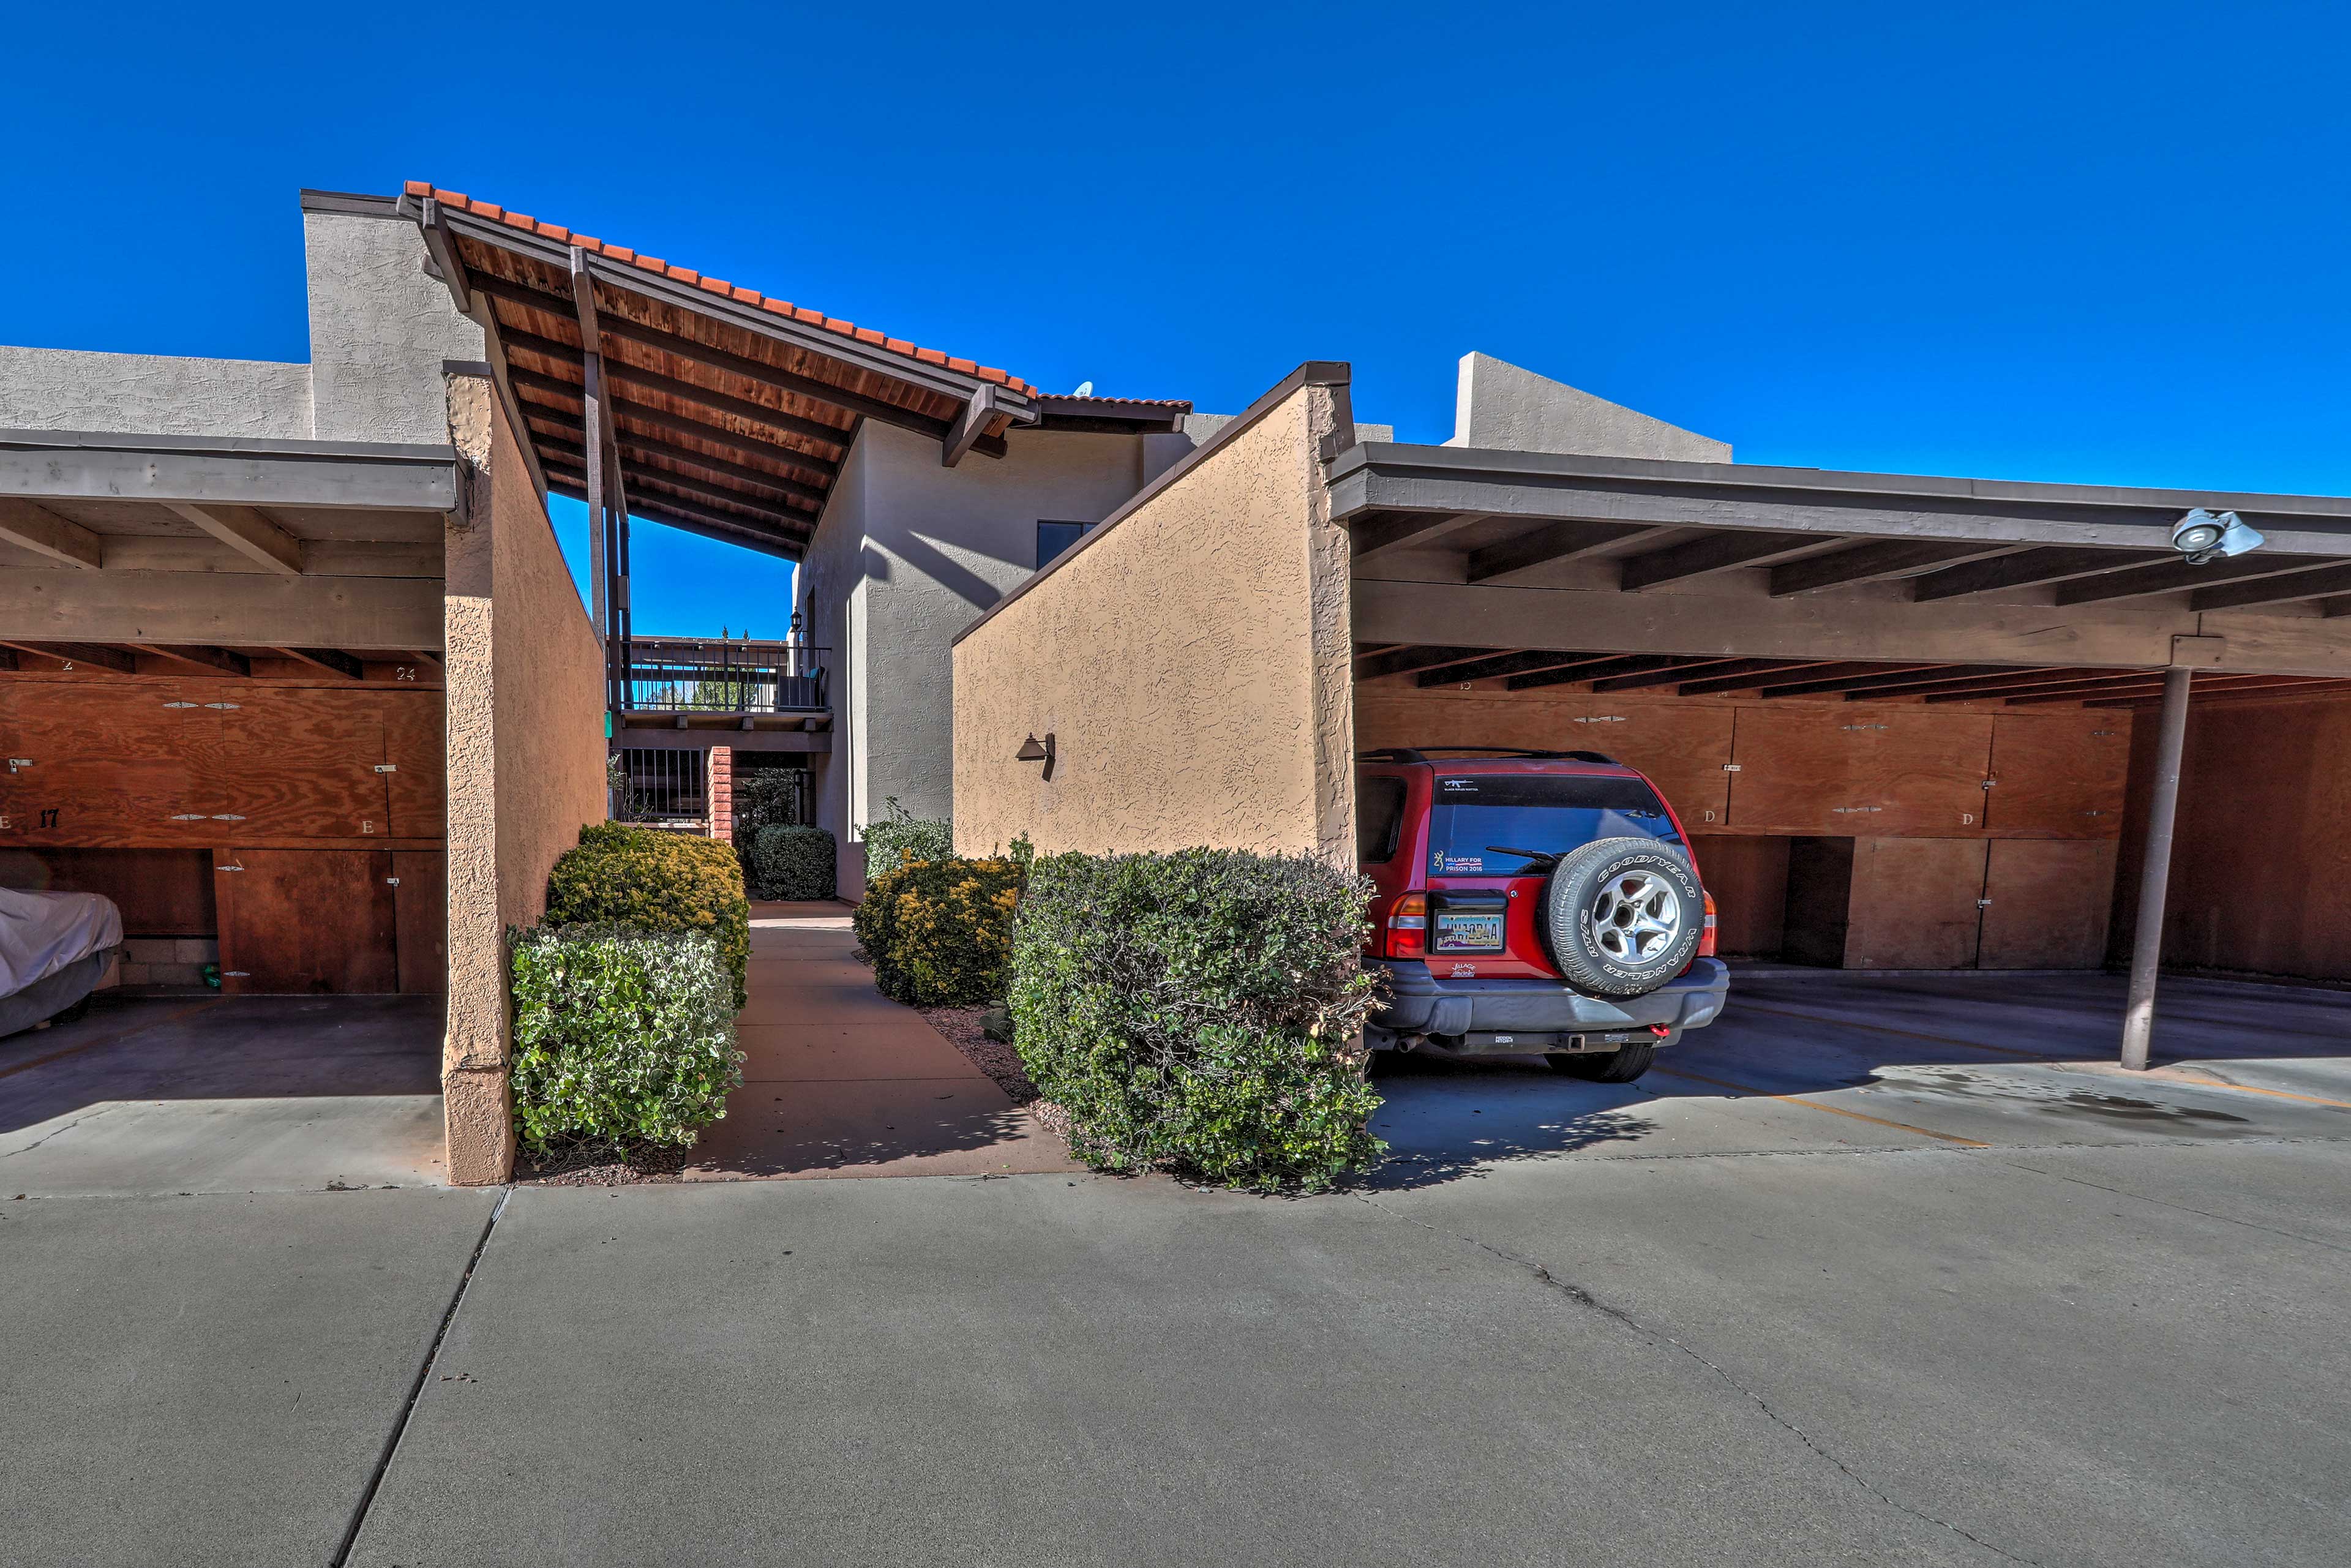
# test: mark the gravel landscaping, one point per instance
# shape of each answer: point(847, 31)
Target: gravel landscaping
point(993, 1057)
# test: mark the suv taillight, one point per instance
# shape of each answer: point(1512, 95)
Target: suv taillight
point(1407, 934)
point(1706, 937)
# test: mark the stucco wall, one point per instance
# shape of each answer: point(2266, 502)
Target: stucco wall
point(526, 756)
point(159, 394)
point(909, 554)
point(379, 330)
point(1191, 663)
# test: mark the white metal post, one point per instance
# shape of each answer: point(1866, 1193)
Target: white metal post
point(2155, 877)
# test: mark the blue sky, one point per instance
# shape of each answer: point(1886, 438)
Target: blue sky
point(2078, 241)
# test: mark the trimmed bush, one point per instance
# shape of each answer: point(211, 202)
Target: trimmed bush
point(764, 798)
point(621, 1037)
point(1195, 1012)
point(654, 880)
point(940, 931)
point(793, 862)
point(901, 837)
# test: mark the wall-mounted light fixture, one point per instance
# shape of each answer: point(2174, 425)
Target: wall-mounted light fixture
point(1035, 751)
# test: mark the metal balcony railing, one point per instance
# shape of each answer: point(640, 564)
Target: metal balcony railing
point(678, 674)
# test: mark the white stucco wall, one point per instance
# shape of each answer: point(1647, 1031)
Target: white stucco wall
point(909, 554)
point(379, 330)
point(155, 394)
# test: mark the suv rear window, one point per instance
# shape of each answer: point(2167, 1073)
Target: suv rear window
point(1477, 819)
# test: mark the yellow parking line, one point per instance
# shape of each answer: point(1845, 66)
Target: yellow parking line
point(1816, 1105)
point(2203, 1083)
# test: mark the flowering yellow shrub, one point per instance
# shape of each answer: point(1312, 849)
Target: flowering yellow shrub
point(940, 931)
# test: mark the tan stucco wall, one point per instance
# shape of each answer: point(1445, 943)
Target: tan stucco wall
point(526, 756)
point(1191, 662)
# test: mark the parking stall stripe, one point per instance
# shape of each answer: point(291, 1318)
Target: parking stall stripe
point(1816, 1105)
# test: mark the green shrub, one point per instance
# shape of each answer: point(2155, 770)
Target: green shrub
point(654, 880)
point(901, 837)
point(939, 931)
point(621, 1036)
point(764, 798)
point(793, 862)
point(1195, 1012)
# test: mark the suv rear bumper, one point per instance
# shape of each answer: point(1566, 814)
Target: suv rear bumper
point(1421, 1003)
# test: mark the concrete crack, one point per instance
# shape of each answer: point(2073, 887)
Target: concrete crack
point(1658, 1337)
point(57, 1131)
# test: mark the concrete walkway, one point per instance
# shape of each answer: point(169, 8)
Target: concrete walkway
point(839, 1080)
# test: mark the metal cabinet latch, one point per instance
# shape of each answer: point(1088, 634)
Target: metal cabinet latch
point(387, 767)
point(392, 882)
point(224, 705)
point(1984, 904)
point(1731, 768)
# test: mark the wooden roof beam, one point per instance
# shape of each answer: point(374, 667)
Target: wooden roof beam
point(221, 660)
point(2178, 576)
point(762, 526)
point(1874, 562)
point(968, 426)
point(42, 531)
point(1623, 666)
point(684, 391)
point(1963, 688)
point(332, 661)
point(630, 441)
point(741, 532)
point(1548, 545)
point(1518, 663)
point(2273, 590)
point(533, 298)
point(1416, 657)
point(544, 388)
point(1675, 676)
point(573, 456)
point(440, 249)
point(1762, 673)
point(2050, 682)
point(1402, 530)
point(247, 531)
point(1716, 552)
point(2149, 684)
point(1875, 677)
point(113, 661)
point(2026, 568)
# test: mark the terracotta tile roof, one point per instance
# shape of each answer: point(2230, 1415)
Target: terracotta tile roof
point(718, 286)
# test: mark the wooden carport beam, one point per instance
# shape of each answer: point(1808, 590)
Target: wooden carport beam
point(42, 531)
point(332, 661)
point(1623, 666)
point(669, 386)
point(2273, 590)
point(1514, 664)
point(2176, 577)
point(543, 388)
point(2149, 683)
point(631, 442)
point(1414, 657)
point(1406, 529)
point(1874, 562)
point(1722, 676)
point(222, 660)
point(1716, 552)
point(112, 660)
point(1967, 688)
point(2026, 568)
point(1763, 673)
point(248, 532)
point(1877, 677)
point(1546, 546)
point(2048, 686)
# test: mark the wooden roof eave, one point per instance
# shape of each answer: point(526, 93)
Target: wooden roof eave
point(848, 351)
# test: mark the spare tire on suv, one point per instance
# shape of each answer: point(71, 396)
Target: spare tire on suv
point(1623, 916)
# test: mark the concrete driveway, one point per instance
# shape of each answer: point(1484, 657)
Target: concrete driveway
point(1854, 1312)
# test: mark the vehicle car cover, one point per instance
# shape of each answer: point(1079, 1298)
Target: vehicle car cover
point(41, 933)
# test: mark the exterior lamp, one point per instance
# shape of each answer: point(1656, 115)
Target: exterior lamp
point(2202, 535)
point(1034, 750)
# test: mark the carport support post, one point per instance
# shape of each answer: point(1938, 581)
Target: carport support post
point(2155, 877)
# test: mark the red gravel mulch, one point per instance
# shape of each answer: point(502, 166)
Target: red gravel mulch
point(993, 1057)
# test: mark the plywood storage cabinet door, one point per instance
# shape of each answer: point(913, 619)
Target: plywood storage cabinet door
point(302, 763)
point(1859, 768)
point(1747, 876)
point(1681, 746)
point(92, 764)
point(420, 906)
point(1389, 715)
point(2059, 775)
point(1914, 904)
point(414, 748)
point(307, 922)
point(2049, 904)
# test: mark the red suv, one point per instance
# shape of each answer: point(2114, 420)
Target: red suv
point(1533, 901)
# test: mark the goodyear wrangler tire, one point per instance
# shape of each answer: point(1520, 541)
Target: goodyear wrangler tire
point(1624, 916)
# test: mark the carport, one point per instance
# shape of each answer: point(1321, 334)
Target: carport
point(261, 693)
point(1912, 723)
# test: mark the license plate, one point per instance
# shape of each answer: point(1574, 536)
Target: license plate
point(1468, 933)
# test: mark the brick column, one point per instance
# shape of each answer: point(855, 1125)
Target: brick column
point(718, 784)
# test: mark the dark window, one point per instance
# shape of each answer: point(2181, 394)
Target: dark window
point(1052, 538)
point(1477, 819)
point(1379, 818)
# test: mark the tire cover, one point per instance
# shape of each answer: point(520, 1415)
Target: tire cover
point(1571, 899)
